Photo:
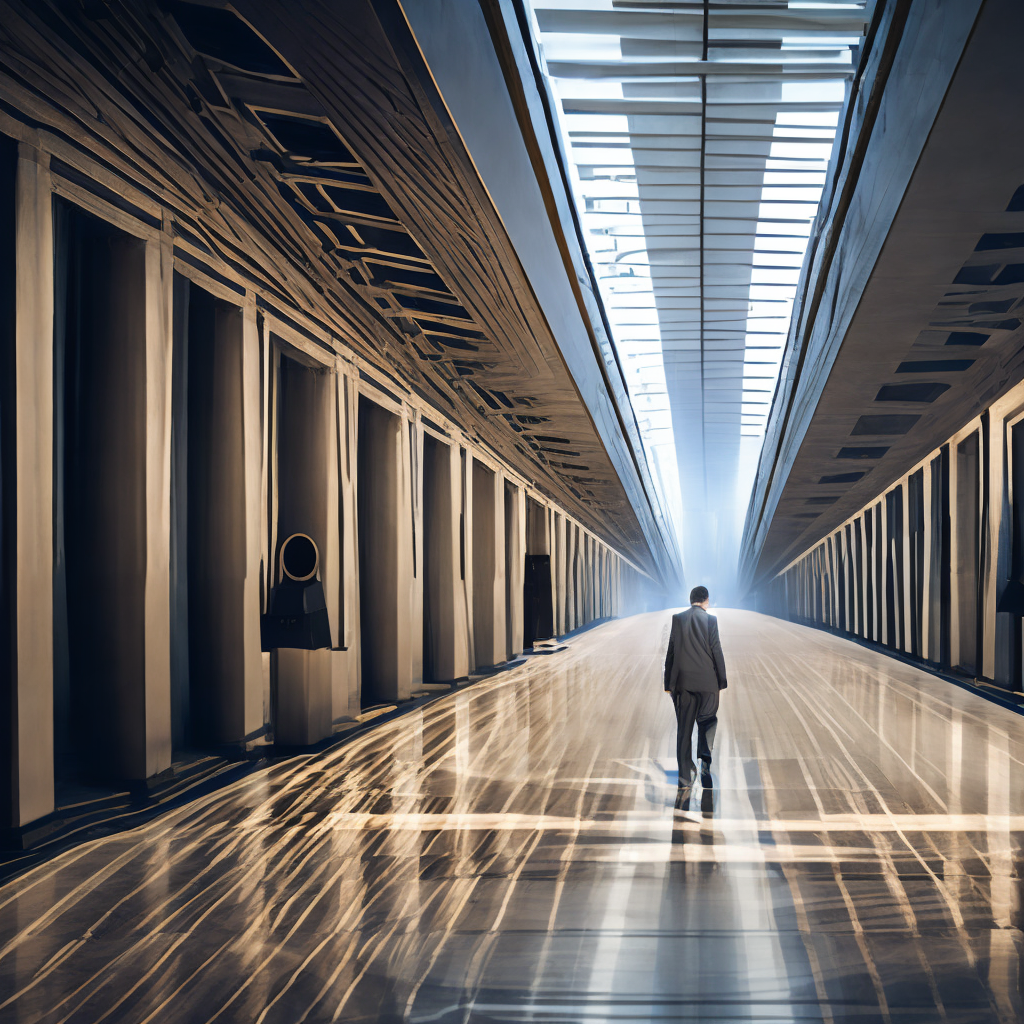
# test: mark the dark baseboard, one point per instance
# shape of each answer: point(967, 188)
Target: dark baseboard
point(25, 837)
point(585, 628)
point(128, 806)
point(139, 802)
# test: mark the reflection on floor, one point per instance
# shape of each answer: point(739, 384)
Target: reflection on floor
point(513, 854)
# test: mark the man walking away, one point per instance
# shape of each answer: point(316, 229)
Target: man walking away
point(694, 673)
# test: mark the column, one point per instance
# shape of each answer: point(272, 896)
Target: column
point(345, 663)
point(413, 434)
point(558, 575)
point(252, 711)
point(31, 628)
point(516, 580)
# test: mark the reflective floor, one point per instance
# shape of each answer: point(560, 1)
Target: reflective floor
point(513, 853)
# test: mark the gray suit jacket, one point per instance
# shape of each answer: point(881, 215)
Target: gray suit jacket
point(694, 661)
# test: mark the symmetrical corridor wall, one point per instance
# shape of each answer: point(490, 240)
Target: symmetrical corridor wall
point(933, 567)
point(167, 422)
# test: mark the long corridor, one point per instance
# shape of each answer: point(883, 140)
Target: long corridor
point(513, 853)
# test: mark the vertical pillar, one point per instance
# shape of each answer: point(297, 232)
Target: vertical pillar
point(412, 431)
point(558, 572)
point(487, 513)
point(954, 555)
point(590, 575)
point(993, 437)
point(592, 579)
point(839, 597)
point(815, 590)
point(31, 575)
point(345, 667)
point(384, 536)
point(826, 583)
point(253, 713)
point(883, 591)
point(330, 556)
point(518, 582)
point(499, 651)
point(834, 579)
point(607, 588)
point(267, 493)
point(462, 634)
point(585, 588)
point(584, 566)
point(219, 452)
point(853, 613)
point(864, 563)
point(551, 548)
point(815, 584)
point(577, 554)
point(926, 566)
point(582, 583)
point(1004, 496)
point(469, 553)
point(408, 633)
point(571, 577)
point(830, 580)
point(843, 578)
point(878, 554)
point(304, 428)
point(157, 638)
point(903, 547)
point(446, 640)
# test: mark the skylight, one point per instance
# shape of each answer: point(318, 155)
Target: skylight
point(697, 137)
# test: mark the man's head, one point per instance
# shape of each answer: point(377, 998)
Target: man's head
point(699, 595)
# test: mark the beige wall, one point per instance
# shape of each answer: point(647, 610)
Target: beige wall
point(265, 484)
point(942, 620)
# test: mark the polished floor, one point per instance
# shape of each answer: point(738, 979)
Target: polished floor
point(513, 853)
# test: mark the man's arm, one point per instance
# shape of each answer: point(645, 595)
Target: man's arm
point(716, 653)
point(668, 655)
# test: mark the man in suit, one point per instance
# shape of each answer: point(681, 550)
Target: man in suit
point(694, 674)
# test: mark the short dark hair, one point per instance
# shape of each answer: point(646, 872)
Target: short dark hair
point(698, 595)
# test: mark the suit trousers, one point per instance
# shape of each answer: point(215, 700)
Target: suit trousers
point(702, 709)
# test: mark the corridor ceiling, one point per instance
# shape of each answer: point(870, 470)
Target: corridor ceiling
point(910, 319)
point(309, 154)
point(697, 138)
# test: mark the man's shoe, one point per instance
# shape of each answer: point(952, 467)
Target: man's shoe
point(707, 801)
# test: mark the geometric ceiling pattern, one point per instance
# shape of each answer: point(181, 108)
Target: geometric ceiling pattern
point(300, 191)
point(697, 138)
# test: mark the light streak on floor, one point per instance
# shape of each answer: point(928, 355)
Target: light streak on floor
point(512, 853)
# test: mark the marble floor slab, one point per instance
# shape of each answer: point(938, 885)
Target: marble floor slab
point(517, 852)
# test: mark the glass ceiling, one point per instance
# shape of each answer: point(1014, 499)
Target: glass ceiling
point(697, 137)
